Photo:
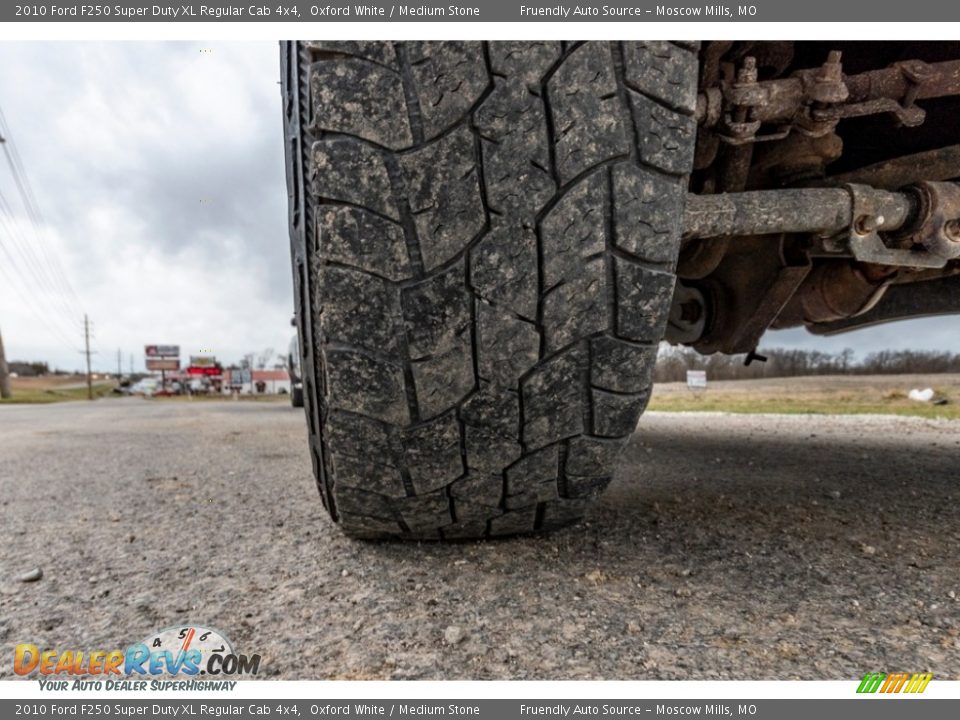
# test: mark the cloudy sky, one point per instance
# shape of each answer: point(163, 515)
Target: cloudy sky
point(159, 172)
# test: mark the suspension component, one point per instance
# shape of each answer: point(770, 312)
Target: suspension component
point(916, 227)
point(813, 101)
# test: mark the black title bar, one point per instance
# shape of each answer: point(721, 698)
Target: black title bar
point(485, 11)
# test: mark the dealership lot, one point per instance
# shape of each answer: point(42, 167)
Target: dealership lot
point(776, 547)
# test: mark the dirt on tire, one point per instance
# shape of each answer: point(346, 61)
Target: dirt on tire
point(484, 241)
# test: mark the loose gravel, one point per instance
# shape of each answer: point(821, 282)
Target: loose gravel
point(728, 547)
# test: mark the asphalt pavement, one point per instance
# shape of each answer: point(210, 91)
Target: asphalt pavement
point(728, 547)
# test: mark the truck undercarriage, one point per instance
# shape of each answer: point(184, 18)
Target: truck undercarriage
point(821, 194)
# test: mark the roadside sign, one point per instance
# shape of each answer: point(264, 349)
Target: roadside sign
point(200, 370)
point(203, 361)
point(162, 364)
point(240, 377)
point(162, 351)
point(697, 379)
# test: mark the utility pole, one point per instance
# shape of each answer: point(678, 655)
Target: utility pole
point(119, 369)
point(131, 364)
point(86, 338)
point(4, 373)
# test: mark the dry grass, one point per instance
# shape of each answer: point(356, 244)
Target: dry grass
point(54, 388)
point(219, 397)
point(831, 395)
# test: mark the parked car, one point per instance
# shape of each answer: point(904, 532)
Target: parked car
point(198, 386)
point(146, 387)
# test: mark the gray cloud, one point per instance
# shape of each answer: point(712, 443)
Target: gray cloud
point(159, 167)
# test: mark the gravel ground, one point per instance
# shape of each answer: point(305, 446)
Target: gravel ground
point(750, 547)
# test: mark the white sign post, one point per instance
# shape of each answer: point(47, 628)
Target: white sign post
point(696, 380)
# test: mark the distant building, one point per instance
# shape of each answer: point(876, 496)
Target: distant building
point(271, 382)
point(257, 382)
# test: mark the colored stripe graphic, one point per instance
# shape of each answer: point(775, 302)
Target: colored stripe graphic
point(871, 682)
point(918, 683)
point(894, 682)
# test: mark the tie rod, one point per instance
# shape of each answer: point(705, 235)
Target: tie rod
point(918, 226)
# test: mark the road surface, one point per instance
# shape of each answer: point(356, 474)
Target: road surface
point(728, 547)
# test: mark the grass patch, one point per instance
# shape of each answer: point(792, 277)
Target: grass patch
point(845, 405)
point(39, 395)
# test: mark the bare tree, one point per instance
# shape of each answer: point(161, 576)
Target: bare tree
point(673, 363)
point(264, 358)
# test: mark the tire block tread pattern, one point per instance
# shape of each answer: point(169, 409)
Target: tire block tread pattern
point(494, 237)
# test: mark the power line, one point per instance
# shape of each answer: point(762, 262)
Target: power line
point(41, 267)
point(31, 262)
point(17, 280)
point(14, 282)
point(22, 181)
point(37, 277)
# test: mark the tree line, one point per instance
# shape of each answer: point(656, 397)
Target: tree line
point(673, 363)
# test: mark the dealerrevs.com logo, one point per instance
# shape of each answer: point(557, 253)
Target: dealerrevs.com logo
point(189, 651)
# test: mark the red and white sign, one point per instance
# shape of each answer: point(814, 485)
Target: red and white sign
point(162, 351)
point(202, 370)
point(154, 364)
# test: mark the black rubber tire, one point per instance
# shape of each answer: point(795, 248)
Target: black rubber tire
point(484, 239)
point(296, 397)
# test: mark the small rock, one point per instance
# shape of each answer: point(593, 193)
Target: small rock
point(345, 573)
point(634, 628)
point(868, 550)
point(453, 635)
point(683, 592)
point(31, 575)
point(570, 630)
point(480, 650)
point(952, 595)
point(834, 494)
point(145, 602)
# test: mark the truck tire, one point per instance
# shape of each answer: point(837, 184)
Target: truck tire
point(296, 397)
point(484, 239)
